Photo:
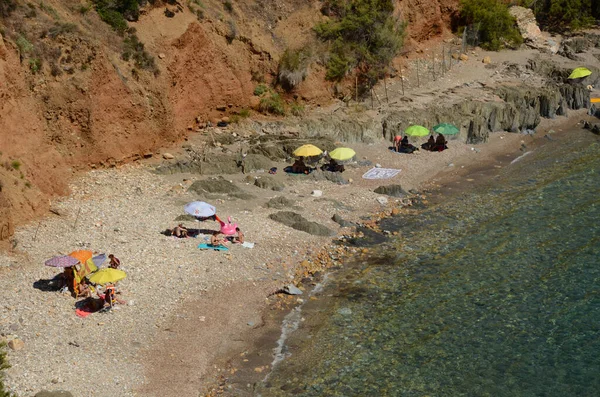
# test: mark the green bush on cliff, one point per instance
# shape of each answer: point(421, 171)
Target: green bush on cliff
point(293, 67)
point(272, 103)
point(364, 37)
point(560, 15)
point(497, 28)
point(3, 365)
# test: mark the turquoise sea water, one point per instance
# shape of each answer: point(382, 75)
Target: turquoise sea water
point(492, 292)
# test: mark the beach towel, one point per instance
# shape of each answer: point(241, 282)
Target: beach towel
point(247, 244)
point(381, 173)
point(204, 246)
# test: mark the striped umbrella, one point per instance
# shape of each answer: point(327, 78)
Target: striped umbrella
point(62, 261)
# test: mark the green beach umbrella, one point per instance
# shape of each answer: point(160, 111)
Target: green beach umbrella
point(578, 73)
point(416, 130)
point(446, 129)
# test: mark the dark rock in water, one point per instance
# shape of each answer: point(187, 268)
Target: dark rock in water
point(280, 202)
point(369, 238)
point(185, 218)
point(214, 185)
point(298, 222)
point(267, 182)
point(391, 190)
point(335, 177)
point(341, 221)
point(57, 393)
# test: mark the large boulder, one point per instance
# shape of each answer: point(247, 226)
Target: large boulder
point(268, 182)
point(530, 31)
point(214, 185)
point(391, 190)
point(280, 202)
point(298, 222)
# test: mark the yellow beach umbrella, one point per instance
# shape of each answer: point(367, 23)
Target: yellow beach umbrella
point(342, 154)
point(307, 150)
point(106, 276)
point(578, 73)
point(416, 130)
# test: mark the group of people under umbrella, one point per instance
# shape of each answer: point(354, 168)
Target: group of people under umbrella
point(311, 152)
point(401, 144)
point(82, 275)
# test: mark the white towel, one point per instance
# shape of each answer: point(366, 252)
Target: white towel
point(247, 244)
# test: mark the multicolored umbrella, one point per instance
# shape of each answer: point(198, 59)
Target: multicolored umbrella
point(62, 261)
point(82, 255)
point(307, 150)
point(446, 129)
point(107, 276)
point(200, 209)
point(342, 154)
point(578, 73)
point(416, 130)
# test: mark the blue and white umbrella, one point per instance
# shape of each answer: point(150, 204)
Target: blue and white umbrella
point(200, 209)
point(99, 259)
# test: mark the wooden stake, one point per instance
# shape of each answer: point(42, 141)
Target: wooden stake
point(418, 65)
point(76, 218)
point(402, 80)
point(36, 231)
point(372, 104)
point(387, 100)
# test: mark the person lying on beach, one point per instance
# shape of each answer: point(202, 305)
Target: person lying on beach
point(429, 144)
point(109, 295)
point(114, 262)
point(180, 231)
point(215, 240)
point(84, 289)
point(240, 236)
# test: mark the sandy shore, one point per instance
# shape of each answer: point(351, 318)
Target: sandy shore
point(187, 309)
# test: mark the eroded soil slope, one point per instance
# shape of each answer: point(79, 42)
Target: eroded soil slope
point(75, 94)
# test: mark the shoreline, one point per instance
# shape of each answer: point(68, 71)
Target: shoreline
point(252, 365)
point(190, 311)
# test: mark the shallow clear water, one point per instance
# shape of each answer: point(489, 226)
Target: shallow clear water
point(495, 292)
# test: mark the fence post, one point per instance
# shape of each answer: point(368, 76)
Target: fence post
point(387, 100)
point(402, 79)
point(418, 65)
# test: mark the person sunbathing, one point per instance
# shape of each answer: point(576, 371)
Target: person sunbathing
point(440, 143)
point(299, 167)
point(215, 240)
point(180, 231)
point(429, 144)
point(333, 166)
point(240, 236)
point(114, 262)
point(406, 147)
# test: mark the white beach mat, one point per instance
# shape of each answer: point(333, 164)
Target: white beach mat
point(381, 173)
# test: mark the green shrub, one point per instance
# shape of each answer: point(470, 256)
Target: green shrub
point(297, 109)
point(260, 89)
point(231, 32)
point(244, 113)
point(228, 5)
point(364, 35)
point(24, 45)
point(15, 164)
point(133, 49)
point(113, 18)
point(84, 9)
point(49, 10)
point(293, 67)
point(560, 15)
point(272, 104)
point(497, 28)
point(3, 365)
point(61, 29)
point(35, 65)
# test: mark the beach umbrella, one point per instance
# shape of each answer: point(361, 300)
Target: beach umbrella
point(82, 255)
point(342, 154)
point(106, 276)
point(200, 209)
point(416, 130)
point(446, 129)
point(307, 151)
point(88, 267)
point(578, 73)
point(99, 259)
point(62, 261)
